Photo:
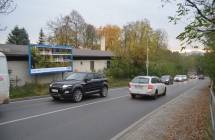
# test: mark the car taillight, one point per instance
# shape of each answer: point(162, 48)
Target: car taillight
point(150, 86)
point(1, 78)
point(129, 85)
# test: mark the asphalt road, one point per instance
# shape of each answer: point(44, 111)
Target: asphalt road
point(94, 118)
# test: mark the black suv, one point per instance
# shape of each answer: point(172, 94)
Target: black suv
point(167, 79)
point(79, 84)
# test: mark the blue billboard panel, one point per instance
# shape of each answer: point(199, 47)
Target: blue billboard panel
point(49, 59)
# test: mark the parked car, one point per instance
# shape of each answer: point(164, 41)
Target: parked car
point(167, 79)
point(201, 76)
point(147, 86)
point(4, 80)
point(77, 85)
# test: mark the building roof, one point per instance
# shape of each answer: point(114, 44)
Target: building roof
point(22, 50)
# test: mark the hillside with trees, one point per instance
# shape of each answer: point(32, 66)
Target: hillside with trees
point(128, 43)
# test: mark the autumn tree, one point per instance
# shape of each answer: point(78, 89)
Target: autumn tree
point(78, 25)
point(161, 37)
point(61, 32)
point(112, 35)
point(131, 54)
point(90, 37)
point(67, 30)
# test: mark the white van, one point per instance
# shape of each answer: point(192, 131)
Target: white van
point(4, 80)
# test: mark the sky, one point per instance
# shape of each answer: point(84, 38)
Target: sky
point(34, 15)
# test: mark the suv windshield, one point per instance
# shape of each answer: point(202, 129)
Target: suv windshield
point(140, 80)
point(76, 76)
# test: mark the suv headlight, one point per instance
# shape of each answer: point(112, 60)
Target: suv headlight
point(51, 85)
point(66, 86)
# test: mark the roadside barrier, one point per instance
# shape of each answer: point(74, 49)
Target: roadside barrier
point(212, 109)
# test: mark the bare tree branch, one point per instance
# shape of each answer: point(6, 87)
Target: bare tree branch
point(7, 6)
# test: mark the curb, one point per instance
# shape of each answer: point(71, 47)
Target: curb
point(146, 117)
point(29, 98)
point(46, 96)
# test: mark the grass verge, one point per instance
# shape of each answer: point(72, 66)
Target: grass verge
point(118, 82)
point(28, 90)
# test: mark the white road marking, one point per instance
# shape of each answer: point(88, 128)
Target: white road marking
point(60, 110)
point(42, 98)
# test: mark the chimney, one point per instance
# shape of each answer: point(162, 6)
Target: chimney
point(103, 44)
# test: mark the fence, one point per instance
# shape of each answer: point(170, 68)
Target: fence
point(212, 109)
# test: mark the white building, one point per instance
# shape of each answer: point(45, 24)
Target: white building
point(84, 60)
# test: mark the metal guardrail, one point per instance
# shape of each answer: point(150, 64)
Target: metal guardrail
point(212, 109)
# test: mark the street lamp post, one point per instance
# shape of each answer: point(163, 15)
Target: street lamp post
point(147, 56)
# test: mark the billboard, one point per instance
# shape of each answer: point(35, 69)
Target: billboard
point(49, 59)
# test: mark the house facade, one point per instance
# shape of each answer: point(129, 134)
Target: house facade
point(84, 60)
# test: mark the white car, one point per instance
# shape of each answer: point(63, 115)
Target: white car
point(4, 80)
point(180, 78)
point(184, 77)
point(147, 86)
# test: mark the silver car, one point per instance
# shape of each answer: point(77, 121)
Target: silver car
point(180, 78)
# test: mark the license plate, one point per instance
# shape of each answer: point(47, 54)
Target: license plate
point(54, 90)
point(137, 86)
point(140, 86)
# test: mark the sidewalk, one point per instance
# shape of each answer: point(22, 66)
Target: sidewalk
point(184, 118)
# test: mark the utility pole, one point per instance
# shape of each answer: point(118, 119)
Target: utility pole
point(147, 56)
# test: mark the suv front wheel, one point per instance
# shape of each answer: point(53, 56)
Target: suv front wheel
point(77, 95)
point(104, 92)
point(55, 98)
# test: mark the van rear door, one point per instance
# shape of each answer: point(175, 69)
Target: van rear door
point(4, 80)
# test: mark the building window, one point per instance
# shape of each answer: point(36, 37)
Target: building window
point(108, 64)
point(92, 66)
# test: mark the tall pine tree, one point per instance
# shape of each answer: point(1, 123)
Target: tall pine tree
point(18, 36)
point(41, 37)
